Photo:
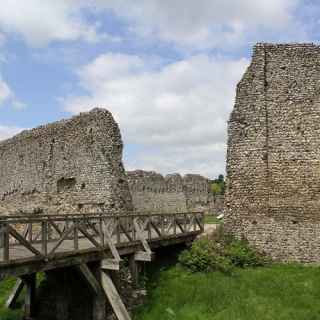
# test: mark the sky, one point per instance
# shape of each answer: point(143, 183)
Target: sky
point(166, 69)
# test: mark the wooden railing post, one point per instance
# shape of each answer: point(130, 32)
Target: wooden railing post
point(149, 227)
point(118, 230)
point(134, 234)
point(4, 232)
point(162, 217)
point(185, 224)
point(101, 232)
point(30, 232)
point(44, 231)
point(202, 221)
point(29, 301)
point(76, 234)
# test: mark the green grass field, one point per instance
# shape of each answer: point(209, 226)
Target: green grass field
point(280, 292)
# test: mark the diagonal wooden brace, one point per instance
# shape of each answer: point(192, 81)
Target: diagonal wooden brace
point(147, 254)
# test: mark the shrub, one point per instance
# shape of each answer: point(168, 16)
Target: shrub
point(205, 256)
point(242, 255)
point(220, 253)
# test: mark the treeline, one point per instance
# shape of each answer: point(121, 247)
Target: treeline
point(218, 185)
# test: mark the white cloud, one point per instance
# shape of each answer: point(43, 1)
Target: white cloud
point(5, 91)
point(7, 132)
point(203, 23)
point(42, 21)
point(6, 95)
point(180, 110)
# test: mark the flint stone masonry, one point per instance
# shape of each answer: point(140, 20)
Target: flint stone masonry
point(70, 166)
point(152, 192)
point(273, 159)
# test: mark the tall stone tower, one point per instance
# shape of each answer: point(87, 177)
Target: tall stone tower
point(273, 160)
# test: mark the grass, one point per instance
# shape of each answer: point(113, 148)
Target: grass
point(5, 289)
point(210, 219)
point(279, 292)
point(6, 286)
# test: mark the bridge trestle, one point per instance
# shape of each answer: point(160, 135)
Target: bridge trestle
point(91, 246)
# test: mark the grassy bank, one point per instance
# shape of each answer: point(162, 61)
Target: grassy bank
point(282, 292)
point(5, 289)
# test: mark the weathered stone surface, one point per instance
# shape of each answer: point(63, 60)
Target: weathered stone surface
point(70, 166)
point(152, 192)
point(273, 158)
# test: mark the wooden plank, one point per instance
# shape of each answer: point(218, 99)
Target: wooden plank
point(113, 249)
point(118, 231)
point(28, 264)
point(114, 297)
point(143, 256)
point(101, 234)
point(30, 232)
point(29, 301)
point(4, 233)
point(76, 236)
point(14, 295)
point(23, 241)
point(44, 244)
point(134, 270)
point(110, 264)
point(89, 278)
point(99, 300)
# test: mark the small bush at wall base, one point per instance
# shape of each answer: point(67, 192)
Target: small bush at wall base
point(220, 253)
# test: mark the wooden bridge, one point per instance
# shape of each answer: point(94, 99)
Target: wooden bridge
point(48, 242)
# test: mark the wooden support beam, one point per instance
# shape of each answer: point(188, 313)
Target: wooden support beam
point(143, 256)
point(24, 242)
point(114, 297)
point(89, 278)
point(29, 301)
point(110, 264)
point(99, 300)
point(14, 295)
point(134, 270)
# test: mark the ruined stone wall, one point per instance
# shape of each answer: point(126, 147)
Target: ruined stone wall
point(152, 192)
point(273, 158)
point(197, 191)
point(70, 166)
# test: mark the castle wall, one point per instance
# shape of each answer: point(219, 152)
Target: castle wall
point(154, 193)
point(273, 159)
point(70, 166)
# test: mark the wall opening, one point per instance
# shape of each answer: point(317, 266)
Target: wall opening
point(66, 184)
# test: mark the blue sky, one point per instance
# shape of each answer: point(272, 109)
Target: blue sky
point(167, 69)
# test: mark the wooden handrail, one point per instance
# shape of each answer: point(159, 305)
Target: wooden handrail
point(40, 232)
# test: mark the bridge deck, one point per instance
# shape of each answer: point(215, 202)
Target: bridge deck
point(46, 242)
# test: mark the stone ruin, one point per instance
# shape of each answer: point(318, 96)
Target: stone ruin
point(273, 159)
point(153, 193)
point(70, 166)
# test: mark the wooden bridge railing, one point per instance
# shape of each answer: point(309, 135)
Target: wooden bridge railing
point(45, 236)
